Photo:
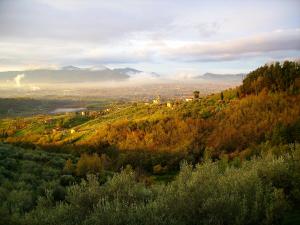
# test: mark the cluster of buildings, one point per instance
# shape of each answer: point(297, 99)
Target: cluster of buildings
point(169, 104)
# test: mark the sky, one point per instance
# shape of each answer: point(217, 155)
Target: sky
point(171, 37)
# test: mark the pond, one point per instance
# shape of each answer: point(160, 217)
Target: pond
point(65, 110)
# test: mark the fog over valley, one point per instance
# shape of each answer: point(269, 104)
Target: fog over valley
point(71, 80)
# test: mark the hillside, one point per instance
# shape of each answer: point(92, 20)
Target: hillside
point(128, 163)
point(222, 126)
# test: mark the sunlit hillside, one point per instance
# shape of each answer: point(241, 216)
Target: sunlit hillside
point(154, 143)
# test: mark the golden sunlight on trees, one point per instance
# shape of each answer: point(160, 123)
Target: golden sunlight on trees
point(274, 78)
point(89, 164)
point(69, 167)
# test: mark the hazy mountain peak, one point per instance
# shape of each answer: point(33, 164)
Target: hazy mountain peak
point(70, 67)
point(127, 70)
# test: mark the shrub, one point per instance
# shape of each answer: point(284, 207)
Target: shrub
point(256, 192)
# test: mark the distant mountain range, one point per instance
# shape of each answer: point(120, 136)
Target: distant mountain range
point(223, 77)
point(127, 71)
point(71, 74)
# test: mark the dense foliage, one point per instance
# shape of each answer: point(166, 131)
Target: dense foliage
point(25, 175)
point(275, 77)
point(252, 192)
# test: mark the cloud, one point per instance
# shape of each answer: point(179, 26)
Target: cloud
point(265, 44)
point(18, 79)
point(35, 88)
point(43, 33)
point(87, 21)
point(184, 75)
point(143, 77)
point(208, 29)
point(275, 45)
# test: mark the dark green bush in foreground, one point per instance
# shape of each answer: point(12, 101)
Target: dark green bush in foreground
point(25, 175)
point(259, 191)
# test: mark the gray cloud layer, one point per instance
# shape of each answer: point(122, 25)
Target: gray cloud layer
point(283, 40)
point(60, 32)
point(96, 22)
point(77, 53)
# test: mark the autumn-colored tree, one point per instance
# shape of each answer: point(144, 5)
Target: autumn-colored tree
point(277, 77)
point(89, 164)
point(158, 169)
point(69, 167)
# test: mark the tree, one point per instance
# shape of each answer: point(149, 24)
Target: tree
point(277, 77)
point(287, 134)
point(196, 94)
point(89, 164)
point(69, 167)
point(222, 96)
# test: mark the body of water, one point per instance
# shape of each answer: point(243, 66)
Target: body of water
point(64, 110)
